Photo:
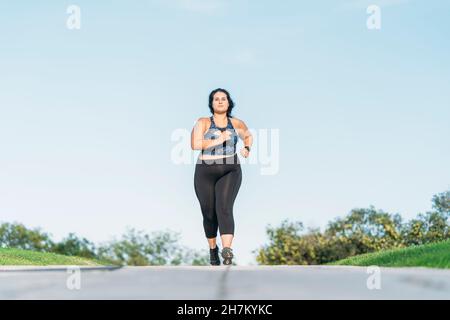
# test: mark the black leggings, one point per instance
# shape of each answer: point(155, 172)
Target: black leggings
point(216, 184)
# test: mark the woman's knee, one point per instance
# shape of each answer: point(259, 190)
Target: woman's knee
point(210, 229)
point(225, 209)
point(209, 212)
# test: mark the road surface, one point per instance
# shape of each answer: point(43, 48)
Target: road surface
point(224, 282)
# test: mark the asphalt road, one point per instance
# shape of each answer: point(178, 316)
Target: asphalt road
point(224, 282)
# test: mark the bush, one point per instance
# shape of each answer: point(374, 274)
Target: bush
point(16, 235)
point(74, 246)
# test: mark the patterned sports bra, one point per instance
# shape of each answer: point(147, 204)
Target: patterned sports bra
point(228, 148)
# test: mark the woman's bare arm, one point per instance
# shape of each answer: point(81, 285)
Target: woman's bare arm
point(244, 133)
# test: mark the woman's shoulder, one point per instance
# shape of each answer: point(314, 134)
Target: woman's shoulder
point(203, 119)
point(204, 123)
point(236, 121)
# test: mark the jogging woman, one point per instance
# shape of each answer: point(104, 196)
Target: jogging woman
point(218, 174)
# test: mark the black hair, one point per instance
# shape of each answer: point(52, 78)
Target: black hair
point(230, 101)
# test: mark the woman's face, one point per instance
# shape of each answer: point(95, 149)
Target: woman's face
point(220, 102)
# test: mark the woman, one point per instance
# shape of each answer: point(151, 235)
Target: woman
point(218, 172)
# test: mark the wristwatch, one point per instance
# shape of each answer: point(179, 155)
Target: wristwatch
point(248, 148)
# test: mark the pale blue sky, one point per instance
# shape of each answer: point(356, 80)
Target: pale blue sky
point(87, 115)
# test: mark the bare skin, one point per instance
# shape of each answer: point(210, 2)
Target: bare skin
point(220, 107)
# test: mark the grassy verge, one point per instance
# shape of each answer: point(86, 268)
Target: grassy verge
point(9, 257)
point(434, 255)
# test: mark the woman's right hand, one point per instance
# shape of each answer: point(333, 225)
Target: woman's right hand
point(225, 135)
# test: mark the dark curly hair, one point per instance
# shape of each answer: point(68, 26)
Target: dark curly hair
point(230, 101)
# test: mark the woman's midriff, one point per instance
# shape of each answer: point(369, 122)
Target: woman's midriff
point(209, 157)
point(215, 157)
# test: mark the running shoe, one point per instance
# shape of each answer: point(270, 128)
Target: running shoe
point(214, 256)
point(227, 255)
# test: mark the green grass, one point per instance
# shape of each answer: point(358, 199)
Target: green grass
point(15, 257)
point(434, 255)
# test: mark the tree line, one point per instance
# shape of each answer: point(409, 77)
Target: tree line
point(363, 230)
point(134, 247)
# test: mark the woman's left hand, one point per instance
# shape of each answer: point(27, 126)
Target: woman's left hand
point(244, 152)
